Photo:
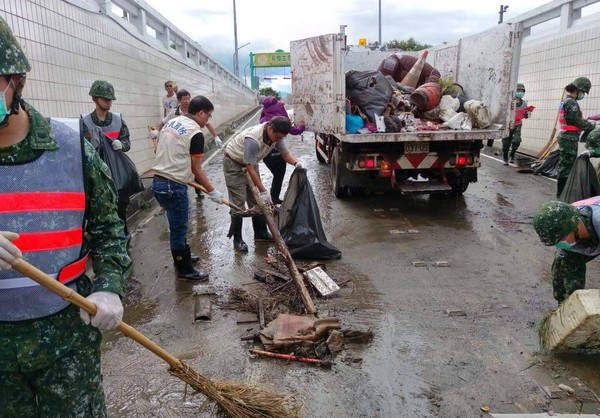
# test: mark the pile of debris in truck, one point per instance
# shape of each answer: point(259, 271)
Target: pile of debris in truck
point(406, 94)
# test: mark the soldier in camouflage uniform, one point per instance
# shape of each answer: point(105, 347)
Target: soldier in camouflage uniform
point(513, 140)
point(53, 182)
point(571, 125)
point(113, 126)
point(592, 143)
point(574, 230)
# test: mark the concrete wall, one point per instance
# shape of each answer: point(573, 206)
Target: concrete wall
point(550, 61)
point(71, 44)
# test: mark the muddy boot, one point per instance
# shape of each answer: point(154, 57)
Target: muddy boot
point(505, 157)
point(183, 265)
point(236, 229)
point(512, 158)
point(261, 233)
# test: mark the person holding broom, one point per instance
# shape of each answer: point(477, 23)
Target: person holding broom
point(572, 124)
point(57, 194)
point(178, 162)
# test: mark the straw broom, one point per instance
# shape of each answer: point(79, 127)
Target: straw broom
point(237, 400)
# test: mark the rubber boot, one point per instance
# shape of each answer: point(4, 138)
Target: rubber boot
point(183, 265)
point(238, 242)
point(261, 233)
point(560, 185)
point(505, 157)
point(512, 157)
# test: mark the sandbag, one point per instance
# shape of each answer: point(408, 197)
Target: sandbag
point(369, 90)
point(582, 182)
point(300, 222)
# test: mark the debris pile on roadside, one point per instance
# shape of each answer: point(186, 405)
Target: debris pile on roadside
point(405, 94)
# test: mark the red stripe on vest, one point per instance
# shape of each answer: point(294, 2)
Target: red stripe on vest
point(45, 241)
point(36, 201)
point(563, 123)
point(73, 270)
point(112, 134)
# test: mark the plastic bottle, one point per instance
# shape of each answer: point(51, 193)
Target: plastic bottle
point(412, 78)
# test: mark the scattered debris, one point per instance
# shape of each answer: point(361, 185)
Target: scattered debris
point(335, 342)
point(441, 263)
point(554, 392)
point(413, 231)
point(396, 231)
point(246, 318)
point(485, 408)
point(378, 210)
point(455, 312)
point(566, 388)
point(292, 357)
point(419, 263)
point(202, 302)
point(321, 281)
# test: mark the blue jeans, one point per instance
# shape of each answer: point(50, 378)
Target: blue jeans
point(173, 198)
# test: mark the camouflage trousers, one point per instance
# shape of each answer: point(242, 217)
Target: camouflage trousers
point(512, 140)
point(568, 145)
point(51, 368)
point(568, 273)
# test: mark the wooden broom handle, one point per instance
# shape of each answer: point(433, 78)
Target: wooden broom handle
point(225, 201)
point(76, 299)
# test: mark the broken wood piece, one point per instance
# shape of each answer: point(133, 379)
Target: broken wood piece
point(246, 318)
point(311, 265)
point(280, 287)
point(455, 312)
point(275, 274)
point(442, 263)
point(261, 314)
point(283, 249)
point(419, 263)
point(292, 357)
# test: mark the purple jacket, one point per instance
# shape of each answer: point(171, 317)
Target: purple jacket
point(273, 107)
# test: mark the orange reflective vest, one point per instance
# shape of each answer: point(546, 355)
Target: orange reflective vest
point(44, 201)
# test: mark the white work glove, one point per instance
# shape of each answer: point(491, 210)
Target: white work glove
point(299, 165)
point(153, 134)
point(109, 310)
point(218, 141)
point(117, 145)
point(8, 252)
point(266, 197)
point(216, 196)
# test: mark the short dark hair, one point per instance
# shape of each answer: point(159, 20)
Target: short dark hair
point(571, 88)
point(280, 124)
point(182, 93)
point(199, 103)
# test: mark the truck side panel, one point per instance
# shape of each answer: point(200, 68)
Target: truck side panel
point(317, 85)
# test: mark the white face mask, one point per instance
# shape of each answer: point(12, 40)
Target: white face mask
point(3, 109)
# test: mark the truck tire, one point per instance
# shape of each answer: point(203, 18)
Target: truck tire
point(459, 183)
point(337, 171)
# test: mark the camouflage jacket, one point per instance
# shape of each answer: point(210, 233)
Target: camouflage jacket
point(104, 229)
point(573, 115)
point(123, 134)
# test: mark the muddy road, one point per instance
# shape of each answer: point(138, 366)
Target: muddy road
point(448, 340)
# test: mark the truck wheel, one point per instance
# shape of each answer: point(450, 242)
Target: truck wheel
point(319, 156)
point(459, 183)
point(337, 168)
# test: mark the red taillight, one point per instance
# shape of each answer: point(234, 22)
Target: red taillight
point(370, 162)
point(361, 162)
point(461, 160)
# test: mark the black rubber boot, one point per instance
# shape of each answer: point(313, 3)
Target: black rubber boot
point(512, 157)
point(238, 241)
point(261, 233)
point(560, 185)
point(183, 265)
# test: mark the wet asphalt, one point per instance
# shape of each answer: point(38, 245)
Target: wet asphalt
point(449, 341)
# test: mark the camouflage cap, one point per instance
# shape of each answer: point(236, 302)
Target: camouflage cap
point(12, 57)
point(520, 86)
point(104, 89)
point(554, 221)
point(583, 83)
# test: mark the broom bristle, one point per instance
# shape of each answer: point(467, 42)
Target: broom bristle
point(238, 400)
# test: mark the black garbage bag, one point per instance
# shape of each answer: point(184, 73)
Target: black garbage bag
point(122, 168)
point(549, 167)
point(369, 90)
point(300, 222)
point(582, 182)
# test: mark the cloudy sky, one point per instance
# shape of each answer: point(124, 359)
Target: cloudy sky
point(271, 24)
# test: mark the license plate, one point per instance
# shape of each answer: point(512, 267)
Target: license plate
point(416, 148)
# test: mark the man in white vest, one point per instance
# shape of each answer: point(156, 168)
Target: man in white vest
point(245, 151)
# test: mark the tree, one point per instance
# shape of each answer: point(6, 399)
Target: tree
point(408, 45)
point(268, 91)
